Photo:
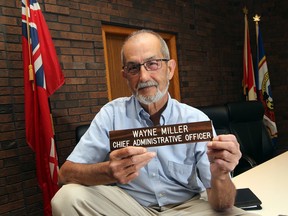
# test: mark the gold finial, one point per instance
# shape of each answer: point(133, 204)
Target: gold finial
point(245, 10)
point(256, 18)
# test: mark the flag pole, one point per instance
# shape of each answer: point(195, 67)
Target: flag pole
point(245, 11)
point(30, 67)
point(256, 19)
point(249, 88)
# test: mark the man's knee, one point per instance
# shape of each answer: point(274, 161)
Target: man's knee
point(65, 198)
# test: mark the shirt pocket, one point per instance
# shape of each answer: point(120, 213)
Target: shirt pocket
point(182, 173)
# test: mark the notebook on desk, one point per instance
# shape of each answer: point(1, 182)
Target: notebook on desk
point(247, 200)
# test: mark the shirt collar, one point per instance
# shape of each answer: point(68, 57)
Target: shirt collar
point(165, 116)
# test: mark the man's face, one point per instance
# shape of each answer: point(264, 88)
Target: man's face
point(147, 86)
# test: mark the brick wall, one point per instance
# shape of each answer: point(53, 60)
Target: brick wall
point(209, 41)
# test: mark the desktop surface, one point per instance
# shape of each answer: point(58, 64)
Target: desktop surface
point(269, 181)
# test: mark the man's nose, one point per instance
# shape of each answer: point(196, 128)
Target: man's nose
point(143, 73)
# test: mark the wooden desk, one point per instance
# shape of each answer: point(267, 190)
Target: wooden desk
point(269, 181)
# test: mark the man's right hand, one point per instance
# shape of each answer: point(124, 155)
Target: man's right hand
point(125, 163)
point(123, 167)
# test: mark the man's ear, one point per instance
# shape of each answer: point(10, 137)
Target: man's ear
point(171, 68)
point(124, 74)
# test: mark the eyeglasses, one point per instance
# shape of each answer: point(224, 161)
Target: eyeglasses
point(150, 65)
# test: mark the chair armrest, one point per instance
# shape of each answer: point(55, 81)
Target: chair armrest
point(245, 163)
point(250, 160)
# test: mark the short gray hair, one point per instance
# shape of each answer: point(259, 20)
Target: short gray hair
point(164, 47)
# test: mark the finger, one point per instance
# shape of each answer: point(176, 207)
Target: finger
point(223, 160)
point(225, 137)
point(141, 160)
point(127, 152)
point(222, 165)
point(137, 162)
point(220, 155)
point(126, 175)
point(128, 178)
point(136, 159)
point(126, 169)
point(131, 168)
point(231, 146)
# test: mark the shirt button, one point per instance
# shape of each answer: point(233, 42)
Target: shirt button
point(161, 195)
point(153, 174)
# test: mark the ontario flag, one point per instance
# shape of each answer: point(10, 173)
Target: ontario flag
point(249, 88)
point(264, 92)
point(42, 77)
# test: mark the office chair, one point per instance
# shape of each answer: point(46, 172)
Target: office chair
point(221, 122)
point(80, 130)
point(246, 122)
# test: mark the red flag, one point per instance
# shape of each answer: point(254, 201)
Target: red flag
point(42, 77)
point(249, 87)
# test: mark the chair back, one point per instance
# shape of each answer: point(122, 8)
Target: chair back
point(80, 130)
point(219, 117)
point(246, 122)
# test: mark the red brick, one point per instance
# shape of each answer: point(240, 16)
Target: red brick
point(74, 65)
point(65, 58)
point(105, 17)
point(58, 26)
point(9, 171)
point(81, 28)
point(72, 51)
point(76, 80)
point(3, 64)
point(92, 37)
point(91, 8)
point(9, 11)
point(14, 56)
point(7, 127)
point(4, 81)
point(63, 120)
point(56, 9)
point(7, 3)
point(2, 47)
point(80, 110)
point(98, 80)
point(83, 58)
point(98, 94)
point(11, 206)
point(69, 19)
point(87, 117)
point(13, 47)
point(71, 35)
point(87, 88)
point(8, 20)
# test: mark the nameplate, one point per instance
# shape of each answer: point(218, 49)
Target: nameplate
point(161, 135)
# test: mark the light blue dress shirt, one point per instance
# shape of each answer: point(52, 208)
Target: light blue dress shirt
point(176, 174)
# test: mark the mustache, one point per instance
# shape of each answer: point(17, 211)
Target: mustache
point(147, 84)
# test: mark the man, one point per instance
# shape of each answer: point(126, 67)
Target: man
point(164, 180)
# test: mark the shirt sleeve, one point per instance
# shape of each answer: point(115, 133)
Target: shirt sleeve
point(94, 145)
point(202, 161)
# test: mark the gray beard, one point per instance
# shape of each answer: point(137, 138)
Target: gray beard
point(150, 99)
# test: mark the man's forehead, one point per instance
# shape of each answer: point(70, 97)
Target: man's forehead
point(143, 35)
point(145, 44)
point(143, 38)
point(142, 60)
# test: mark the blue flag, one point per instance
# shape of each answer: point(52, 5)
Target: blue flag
point(264, 93)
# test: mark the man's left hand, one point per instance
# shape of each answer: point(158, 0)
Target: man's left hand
point(224, 154)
